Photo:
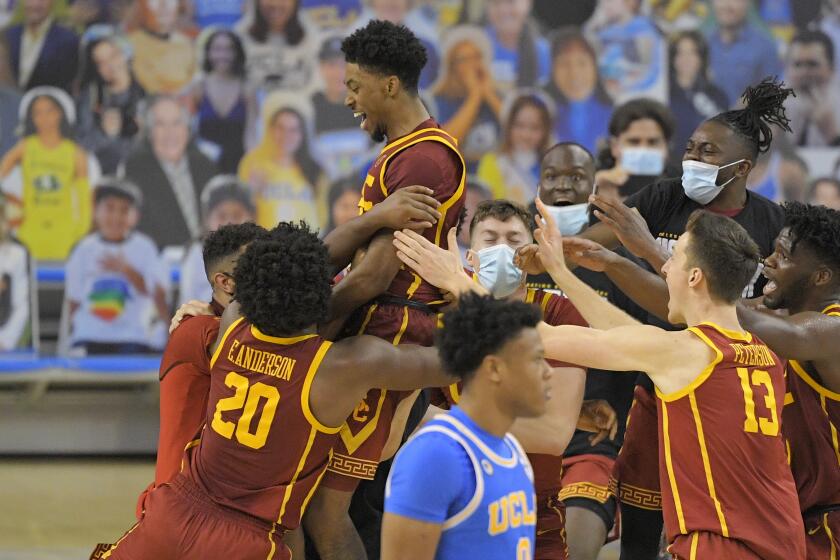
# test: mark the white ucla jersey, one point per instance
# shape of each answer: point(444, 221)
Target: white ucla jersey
point(499, 521)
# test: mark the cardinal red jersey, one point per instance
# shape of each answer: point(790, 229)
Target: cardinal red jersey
point(262, 452)
point(722, 458)
point(184, 386)
point(433, 161)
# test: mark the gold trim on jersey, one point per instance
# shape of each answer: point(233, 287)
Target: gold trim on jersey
point(107, 553)
point(288, 494)
point(404, 144)
point(403, 328)
point(454, 393)
point(530, 294)
point(315, 486)
point(830, 536)
point(368, 317)
point(700, 379)
point(743, 336)
point(835, 313)
point(800, 371)
point(221, 345)
point(187, 447)
point(834, 439)
point(259, 335)
point(693, 552)
point(670, 468)
point(307, 386)
point(707, 466)
point(407, 137)
point(353, 441)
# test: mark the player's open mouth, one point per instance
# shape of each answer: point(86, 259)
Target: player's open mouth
point(770, 287)
point(363, 116)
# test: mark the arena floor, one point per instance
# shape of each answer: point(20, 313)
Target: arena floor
point(58, 509)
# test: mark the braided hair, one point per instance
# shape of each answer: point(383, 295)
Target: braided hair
point(764, 105)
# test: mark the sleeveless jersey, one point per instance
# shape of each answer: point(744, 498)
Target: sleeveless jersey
point(811, 423)
point(499, 522)
point(262, 452)
point(722, 460)
point(407, 284)
point(56, 210)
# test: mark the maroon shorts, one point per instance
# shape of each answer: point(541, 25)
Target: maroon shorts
point(587, 477)
point(366, 431)
point(822, 536)
point(701, 545)
point(551, 528)
point(636, 472)
point(182, 523)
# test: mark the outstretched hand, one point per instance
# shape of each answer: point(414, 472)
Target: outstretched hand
point(192, 308)
point(587, 253)
point(437, 266)
point(629, 226)
point(549, 241)
point(599, 417)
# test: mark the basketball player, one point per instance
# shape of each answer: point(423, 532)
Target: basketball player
point(378, 296)
point(718, 159)
point(804, 277)
point(279, 394)
point(185, 364)
point(478, 501)
point(497, 229)
point(727, 492)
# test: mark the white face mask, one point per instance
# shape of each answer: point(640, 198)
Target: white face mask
point(643, 161)
point(699, 180)
point(496, 270)
point(570, 220)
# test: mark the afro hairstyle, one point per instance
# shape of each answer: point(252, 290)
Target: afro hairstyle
point(389, 50)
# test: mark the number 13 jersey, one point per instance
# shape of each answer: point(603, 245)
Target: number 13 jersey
point(262, 452)
point(722, 462)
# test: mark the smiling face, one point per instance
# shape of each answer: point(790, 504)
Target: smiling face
point(574, 72)
point(46, 115)
point(170, 133)
point(277, 13)
point(221, 53)
point(287, 131)
point(566, 176)
point(367, 96)
point(109, 60)
point(523, 375)
point(114, 217)
point(508, 17)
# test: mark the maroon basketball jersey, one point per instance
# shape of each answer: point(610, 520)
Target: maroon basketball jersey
point(262, 452)
point(722, 460)
point(450, 193)
point(811, 421)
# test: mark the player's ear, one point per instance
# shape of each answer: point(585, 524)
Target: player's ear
point(473, 260)
point(392, 86)
point(822, 276)
point(695, 275)
point(493, 365)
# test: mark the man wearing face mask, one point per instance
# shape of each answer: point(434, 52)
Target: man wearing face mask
point(567, 172)
point(640, 134)
point(718, 158)
point(497, 229)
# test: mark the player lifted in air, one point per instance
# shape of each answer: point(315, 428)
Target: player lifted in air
point(379, 296)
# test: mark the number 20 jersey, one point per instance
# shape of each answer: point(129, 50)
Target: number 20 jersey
point(722, 462)
point(262, 452)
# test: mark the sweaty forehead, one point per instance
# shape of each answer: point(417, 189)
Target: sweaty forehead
point(566, 158)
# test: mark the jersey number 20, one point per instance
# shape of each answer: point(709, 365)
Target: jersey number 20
point(759, 378)
point(248, 399)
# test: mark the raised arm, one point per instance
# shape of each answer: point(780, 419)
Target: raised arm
point(598, 312)
point(671, 359)
point(807, 336)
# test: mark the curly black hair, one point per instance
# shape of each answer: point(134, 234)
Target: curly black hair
point(226, 242)
point(764, 105)
point(283, 280)
point(818, 228)
point(388, 50)
point(480, 326)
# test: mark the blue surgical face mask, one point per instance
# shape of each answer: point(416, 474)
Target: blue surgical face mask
point(496, 270)
point(643, 161)
point(699, 180)
point(571, 219)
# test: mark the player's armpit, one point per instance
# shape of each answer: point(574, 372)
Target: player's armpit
point(408, 539)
